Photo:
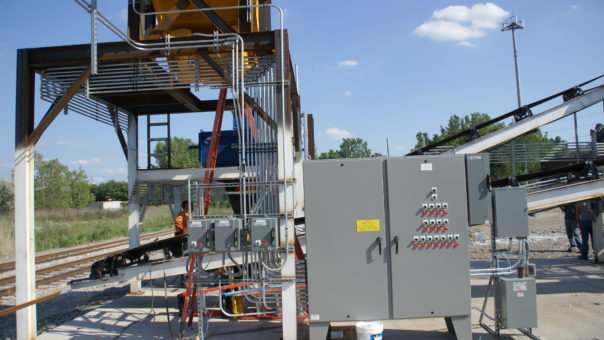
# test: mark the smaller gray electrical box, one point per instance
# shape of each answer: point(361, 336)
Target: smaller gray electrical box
point(477, 185)
point(264, 233)
point(215, 235)
point(227, 234)
point(510, 213)
point(516, 302)
point(200, 236)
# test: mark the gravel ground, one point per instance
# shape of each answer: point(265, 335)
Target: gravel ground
point(547, 240)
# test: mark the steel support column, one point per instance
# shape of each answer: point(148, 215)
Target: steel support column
point(24, 197)
point(24, 240)
point(133, 208)
point(285, 156)
point(598, 230)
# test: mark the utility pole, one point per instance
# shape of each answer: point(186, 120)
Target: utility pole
point(513, 24)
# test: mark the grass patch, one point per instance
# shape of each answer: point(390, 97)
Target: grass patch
point(70, 227)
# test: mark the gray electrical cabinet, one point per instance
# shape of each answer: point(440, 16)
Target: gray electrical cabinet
point(200, 236)
point(510, 212)
point(215, 235)
point(429, 278)
point(516, 302)
point(345, 223)
point(227, 234)
point(479, 200)
point(387, 238)
point(264, 233)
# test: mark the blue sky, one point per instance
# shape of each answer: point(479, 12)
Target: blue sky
point(373, 70)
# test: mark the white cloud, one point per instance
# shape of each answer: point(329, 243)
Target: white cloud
point(461, 23)
point(347, 93)
point(447, 30)
point(348, 63)
point(335, 133)
point(86, 161)
point(574, 6)
point(401, 148)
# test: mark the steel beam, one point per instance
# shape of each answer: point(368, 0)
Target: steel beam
point(133, 208)
point(168, 19)
point(213, 17)
point(118, 130)
point(261, 43)
point(58, 106)
point(246, 97)
point(24, 240)
point(180, 176)
point(575, 192)
point(285, 166)
point(526, 125)
point(598, 230)
point(24, 197)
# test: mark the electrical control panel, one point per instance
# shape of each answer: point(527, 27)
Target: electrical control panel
point(427, 202)
point(227, 234)
point(200, 236)
point(264, 234)
point(215, 235)
point(396, 225)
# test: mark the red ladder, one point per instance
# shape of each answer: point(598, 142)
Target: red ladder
point(208, 177)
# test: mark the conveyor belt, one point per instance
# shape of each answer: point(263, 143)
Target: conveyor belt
point(521, 127)
point(519, 114)
point(553, 197)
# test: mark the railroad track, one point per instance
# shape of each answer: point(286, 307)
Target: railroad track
point(58, 255)
point(77, 264)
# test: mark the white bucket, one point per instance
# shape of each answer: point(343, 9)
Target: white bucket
point(369, 330)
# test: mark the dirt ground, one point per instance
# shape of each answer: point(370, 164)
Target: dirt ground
point(578, 300)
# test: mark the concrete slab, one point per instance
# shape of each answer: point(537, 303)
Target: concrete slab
point(570, 306)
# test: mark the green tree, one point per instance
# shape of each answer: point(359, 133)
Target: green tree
point(599, 133)
point(110, 190)
point(349, 148)
point(456, 124)
point(58, 187)
point(7, 197)
point(182, 156)
point(354, 148)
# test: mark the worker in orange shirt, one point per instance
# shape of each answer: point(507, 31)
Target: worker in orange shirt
point(181, 220)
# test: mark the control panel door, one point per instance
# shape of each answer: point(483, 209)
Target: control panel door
point(429, 232)
point(346, 240)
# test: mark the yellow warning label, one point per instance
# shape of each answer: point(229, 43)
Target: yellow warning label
point(368, 225)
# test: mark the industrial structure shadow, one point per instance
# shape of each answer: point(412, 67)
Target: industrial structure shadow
point(557, 276)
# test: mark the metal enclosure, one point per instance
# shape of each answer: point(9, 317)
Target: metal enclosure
point(227, 234)
point(420, 269)
point(200, 236)
point(264, 233)
point(345, 217)
point(479, 200)
point(387, 238)
point(516, 302)
point(510, 212)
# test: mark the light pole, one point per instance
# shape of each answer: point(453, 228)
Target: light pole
point(513, 24)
